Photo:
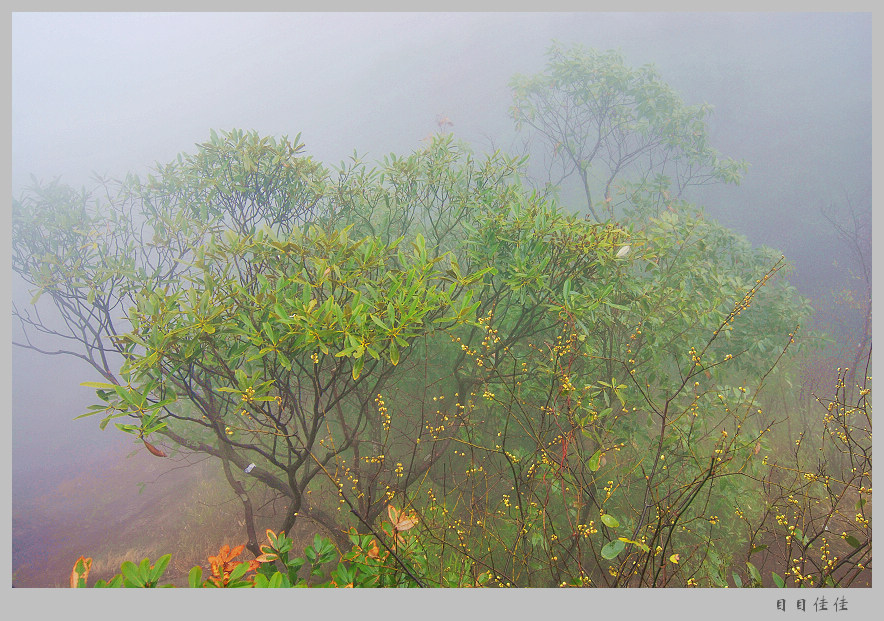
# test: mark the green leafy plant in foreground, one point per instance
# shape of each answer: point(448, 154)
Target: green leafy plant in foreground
point(364, 565)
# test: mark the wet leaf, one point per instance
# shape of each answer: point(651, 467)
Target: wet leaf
point(635, 543)
point(757, 549)
point(610, 521)
point(195, 578)
point(157, 571)
point(154, 450)
point(594, 460)
point(612, 549)
point(357, 368)
point(80, 573)
point(753, 572)
point(131, 574)
point(852, 541)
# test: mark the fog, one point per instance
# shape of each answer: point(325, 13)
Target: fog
point(792, 92)
point(111, 93)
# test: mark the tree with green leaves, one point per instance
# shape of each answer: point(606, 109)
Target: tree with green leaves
point(532, 398)
point(605, 122)
point(254, 315)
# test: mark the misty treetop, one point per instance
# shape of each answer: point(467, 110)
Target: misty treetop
point(605, 121)
point(549, 398)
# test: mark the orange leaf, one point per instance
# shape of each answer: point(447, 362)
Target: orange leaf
point(403, 525)
point(217, 566)
point(401, 521)
point(153, 449)
point(373, 551)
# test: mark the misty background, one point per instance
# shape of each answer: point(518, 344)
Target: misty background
point(116, 92)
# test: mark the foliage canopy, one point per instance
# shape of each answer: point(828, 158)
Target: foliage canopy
point(550, 399)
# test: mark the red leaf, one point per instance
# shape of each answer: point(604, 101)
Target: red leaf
point(153, 449)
